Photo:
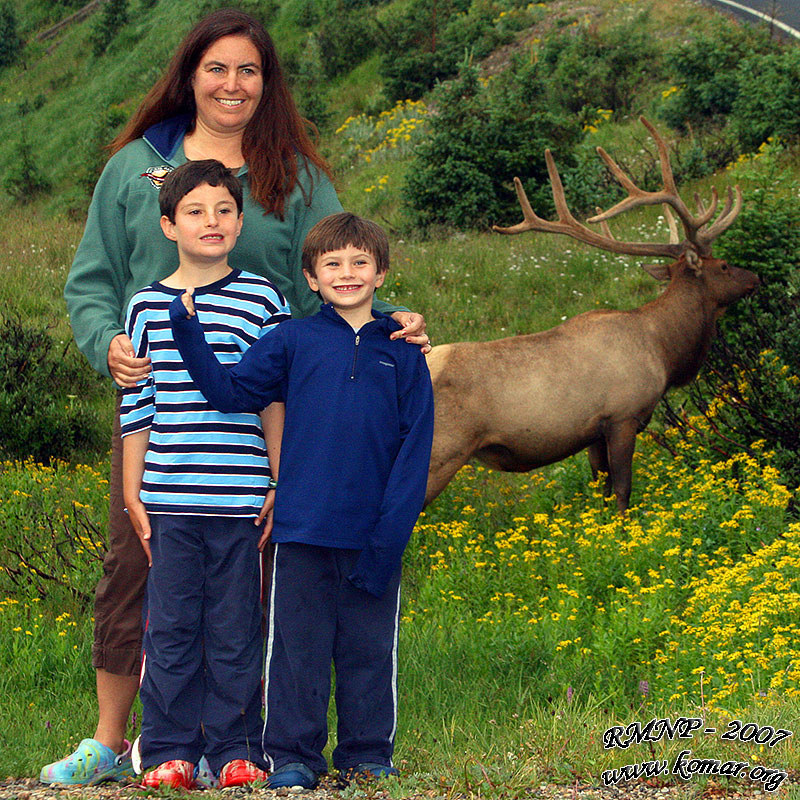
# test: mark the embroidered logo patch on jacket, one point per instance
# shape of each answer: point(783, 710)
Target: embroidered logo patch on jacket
point(156, 175)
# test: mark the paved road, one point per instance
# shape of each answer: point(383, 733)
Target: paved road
point(784, 13)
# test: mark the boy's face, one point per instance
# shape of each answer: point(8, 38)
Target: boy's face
point(346, 278)
point(206, 225)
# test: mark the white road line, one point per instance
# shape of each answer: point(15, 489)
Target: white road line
point(777, 23)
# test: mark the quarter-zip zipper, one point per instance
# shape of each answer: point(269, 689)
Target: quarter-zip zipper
point(355, 357)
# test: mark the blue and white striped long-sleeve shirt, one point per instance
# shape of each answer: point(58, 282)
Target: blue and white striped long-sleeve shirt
point(199, 461)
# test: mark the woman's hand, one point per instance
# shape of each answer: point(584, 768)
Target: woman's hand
point(265, 516)
point(413, 330)
point(125, 368)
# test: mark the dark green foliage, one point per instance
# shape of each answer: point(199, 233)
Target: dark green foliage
point(263, 10)
point(769, 101)
point(587, 182)
point(24, 180)
point(480, 138)
point(43, 393)
point(309, 86)
point(705, 70)
point(426, 43)
point(589, 68)
point(26, 106)
point(347, 36)
point(113, 15)
point(765, 239)
point(105, 127)
point(751, 365)
point(308, 13)
point(10, 41)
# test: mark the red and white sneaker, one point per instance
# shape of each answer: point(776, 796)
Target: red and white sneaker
point(176, 774)
point(240, 772)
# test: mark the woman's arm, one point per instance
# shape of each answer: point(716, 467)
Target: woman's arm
point(96, 284)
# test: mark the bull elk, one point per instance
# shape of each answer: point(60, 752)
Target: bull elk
point(593, 381)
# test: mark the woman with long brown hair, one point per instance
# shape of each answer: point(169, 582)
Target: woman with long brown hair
point(223, 96)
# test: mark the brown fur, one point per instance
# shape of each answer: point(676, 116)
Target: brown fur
point(591, 382)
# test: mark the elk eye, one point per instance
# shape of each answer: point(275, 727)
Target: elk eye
point(724, 267)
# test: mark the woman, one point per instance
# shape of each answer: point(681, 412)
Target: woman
point(223, 96)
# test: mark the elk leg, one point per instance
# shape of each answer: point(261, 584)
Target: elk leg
point(598, 461)
point(621, 441)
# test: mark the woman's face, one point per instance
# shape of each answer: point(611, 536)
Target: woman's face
point(227, 84)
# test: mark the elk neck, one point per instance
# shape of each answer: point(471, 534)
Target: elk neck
point(682, 322)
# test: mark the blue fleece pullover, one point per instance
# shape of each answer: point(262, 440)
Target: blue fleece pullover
point(358, 432)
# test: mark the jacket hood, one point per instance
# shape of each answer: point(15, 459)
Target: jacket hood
point(166, 136)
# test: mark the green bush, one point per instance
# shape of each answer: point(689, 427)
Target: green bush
point(44, 408)
point(309, 87)
point(427, 43)
point(113, 15)
point(590, 68)
point(347, 37)
point(747, 390)
point(768, 104)
point(24, 180)
point(705, 71)
point(10, 41)
point(479, 139)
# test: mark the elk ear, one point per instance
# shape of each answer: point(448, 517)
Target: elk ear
point(659, 271)
point(693, 261)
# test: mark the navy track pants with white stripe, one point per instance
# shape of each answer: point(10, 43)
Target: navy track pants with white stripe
point(315, 617)
point(203, 649)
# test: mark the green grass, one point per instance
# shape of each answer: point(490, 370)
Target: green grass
point(492, 703)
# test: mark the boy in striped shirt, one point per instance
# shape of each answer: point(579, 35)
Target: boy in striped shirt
point(194, 481)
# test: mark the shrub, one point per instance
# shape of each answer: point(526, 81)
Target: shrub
point(44, 411)
point(705, 71)
point(347, 37)
point(598, 69)
point(24, 180)
point(480, 138)
point(309, 86)
point(10, 42)
point(747, 391)
point(768, 104)
point(112, 16)
point(426, 43)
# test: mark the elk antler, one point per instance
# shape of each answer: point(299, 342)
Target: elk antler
point(698, 234)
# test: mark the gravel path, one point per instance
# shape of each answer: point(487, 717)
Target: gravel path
point(31, 789)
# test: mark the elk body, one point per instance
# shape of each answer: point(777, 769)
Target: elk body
point(593, 381)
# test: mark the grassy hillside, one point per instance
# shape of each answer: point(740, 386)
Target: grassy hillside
point(61, 97)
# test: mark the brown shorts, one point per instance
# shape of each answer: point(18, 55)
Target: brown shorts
point(118, 600)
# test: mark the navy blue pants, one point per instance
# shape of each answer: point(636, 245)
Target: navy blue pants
point(201, 673)
point(315, 617)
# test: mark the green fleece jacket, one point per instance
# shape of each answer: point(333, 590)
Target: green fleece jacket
point(123, 248)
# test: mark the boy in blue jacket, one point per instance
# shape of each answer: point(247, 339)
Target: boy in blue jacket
point(354, 464)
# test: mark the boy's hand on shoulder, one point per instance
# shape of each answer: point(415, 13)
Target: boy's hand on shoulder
point(141, 524)
point(188, 302)
point(413, 330)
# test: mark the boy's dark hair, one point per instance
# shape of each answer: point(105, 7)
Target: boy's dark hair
point(337, 231)
point(189, 176)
